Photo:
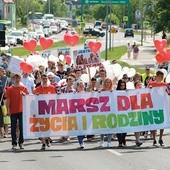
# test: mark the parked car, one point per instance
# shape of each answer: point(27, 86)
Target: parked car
point(46, 24)
point(86, 44)
point(10, 40)
point(33, 35)
point(37, 27)
point(98, 25)
point(104, 25)
point(18, 35)
point(71, 31)
point(93, 32)
point(129, 32)
point(47, 32)
point(40, 33)
point(54, 29)
point(64, 25)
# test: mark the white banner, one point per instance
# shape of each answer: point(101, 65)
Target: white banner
point(95, 113)
point(85, 58)
point(11, 63)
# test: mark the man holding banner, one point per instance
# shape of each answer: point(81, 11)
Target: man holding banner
point(14, 109)
point(158, 83)
point(45, 88)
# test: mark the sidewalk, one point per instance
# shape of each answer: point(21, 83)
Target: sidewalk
point(146, 55)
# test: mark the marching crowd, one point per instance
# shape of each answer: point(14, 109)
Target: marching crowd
point(46, 80)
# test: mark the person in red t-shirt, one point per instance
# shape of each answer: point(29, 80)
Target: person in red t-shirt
point(45, 88)
point(158, 83)
point(14, 109)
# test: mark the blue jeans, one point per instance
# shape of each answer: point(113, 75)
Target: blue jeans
point(80, 139)
point(14, 119)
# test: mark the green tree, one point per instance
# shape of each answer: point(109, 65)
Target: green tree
point(57, 8)
point(99, 12)
point(23, 7)
point(113, 19)
point(162, 16)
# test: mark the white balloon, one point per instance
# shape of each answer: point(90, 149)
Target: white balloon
point(164, 71)
point(106, 63)
point(109, 73)
point(53, 58)
point(131, 72)
point(117, 68)
point(120, 76)
point(168, 78)
point(92, 71)
point(130, 85)
point(36, 60)
point(61, 57)
point(85, 78)
point(125, 70)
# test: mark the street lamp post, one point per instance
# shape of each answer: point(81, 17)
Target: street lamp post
point(107, 11)
point(142, 19)
point(110, 26)
point(49, 3)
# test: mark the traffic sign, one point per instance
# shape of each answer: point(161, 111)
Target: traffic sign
point(125, 18)
point(146, 24)
point(137, 14)
point(113, 30)
point(122, 2)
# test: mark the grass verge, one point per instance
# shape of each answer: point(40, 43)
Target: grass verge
point(115, 53)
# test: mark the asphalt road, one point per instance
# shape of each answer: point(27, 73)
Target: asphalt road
point(66, 156)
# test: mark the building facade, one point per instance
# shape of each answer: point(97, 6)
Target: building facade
point(8, 11)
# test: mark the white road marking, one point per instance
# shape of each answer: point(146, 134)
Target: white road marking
point(114, 152)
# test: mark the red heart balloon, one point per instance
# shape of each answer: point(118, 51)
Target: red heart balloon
point(66, 38)
point(161, 57)
point(23, 64)
point(158, 58)
point(168, 53)
point(95, 46)
point(25, 67)
point(71, 40)
point(160, 44)
point(30, 45)
point(46, 43)
point(67, 59)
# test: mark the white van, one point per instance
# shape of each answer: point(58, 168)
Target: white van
point(49, 17)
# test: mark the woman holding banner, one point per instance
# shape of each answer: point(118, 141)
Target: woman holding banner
point(81, 89)
point(107, 86)
point(121, 136)
point(138, 85)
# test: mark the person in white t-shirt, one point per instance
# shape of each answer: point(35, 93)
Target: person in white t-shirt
point(28, 82)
